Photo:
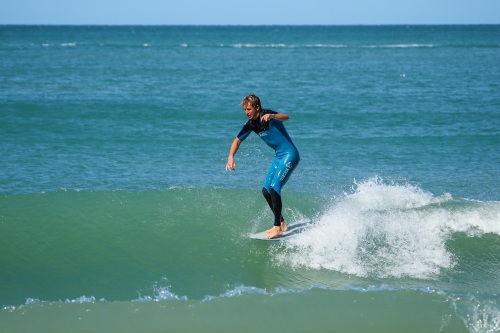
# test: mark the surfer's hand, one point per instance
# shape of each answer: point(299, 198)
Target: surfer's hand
point(230, 166)
point(267, 117)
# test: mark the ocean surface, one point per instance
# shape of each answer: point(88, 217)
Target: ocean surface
point(117, 214)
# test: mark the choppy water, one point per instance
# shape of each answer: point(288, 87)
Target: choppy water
point(116, 213)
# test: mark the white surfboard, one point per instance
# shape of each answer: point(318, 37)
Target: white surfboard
point(292, 230)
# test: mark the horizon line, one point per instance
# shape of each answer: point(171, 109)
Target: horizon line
point(244, 25)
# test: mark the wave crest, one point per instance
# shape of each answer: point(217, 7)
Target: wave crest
point(388, 230)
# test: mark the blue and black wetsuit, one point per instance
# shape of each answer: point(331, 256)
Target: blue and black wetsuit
point(285, 161)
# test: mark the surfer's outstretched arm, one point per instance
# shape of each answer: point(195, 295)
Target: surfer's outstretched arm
point(232, 151)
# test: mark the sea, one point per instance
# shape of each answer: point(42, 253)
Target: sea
point(117, 213)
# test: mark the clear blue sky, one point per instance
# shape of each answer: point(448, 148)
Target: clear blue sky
point(222, 12)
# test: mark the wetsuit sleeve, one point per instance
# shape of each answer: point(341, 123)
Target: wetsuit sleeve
point(244, 133)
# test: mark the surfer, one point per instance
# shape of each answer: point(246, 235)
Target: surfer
point(269, 126)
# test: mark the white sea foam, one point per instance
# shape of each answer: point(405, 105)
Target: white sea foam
point(238, 291)
point(391, 46)
point(161, 294)
point(478, 315)
point(388, 230)
point(82, 299)
point(282, 45)
point(321, 45)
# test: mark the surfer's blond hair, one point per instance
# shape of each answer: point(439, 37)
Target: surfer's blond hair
point(253, 100)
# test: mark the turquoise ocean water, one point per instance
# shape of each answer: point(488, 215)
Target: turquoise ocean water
point(117, 214)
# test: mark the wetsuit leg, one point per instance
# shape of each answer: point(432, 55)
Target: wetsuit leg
point(280, 170)
point(277, 207)
point(273, 203)
point(285, 167)
point(267, 192)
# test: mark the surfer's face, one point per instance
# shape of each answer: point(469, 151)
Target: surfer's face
point(251, 111)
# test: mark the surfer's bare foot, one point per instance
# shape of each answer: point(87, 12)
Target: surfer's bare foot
point(274, 232)
point(284, 228)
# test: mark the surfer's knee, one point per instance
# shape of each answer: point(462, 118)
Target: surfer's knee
point(275, 192)
point(266, 193)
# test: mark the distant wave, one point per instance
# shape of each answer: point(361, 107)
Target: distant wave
point(248, 45)
point(266, 45)
point(312, 46)
point(392, 46)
